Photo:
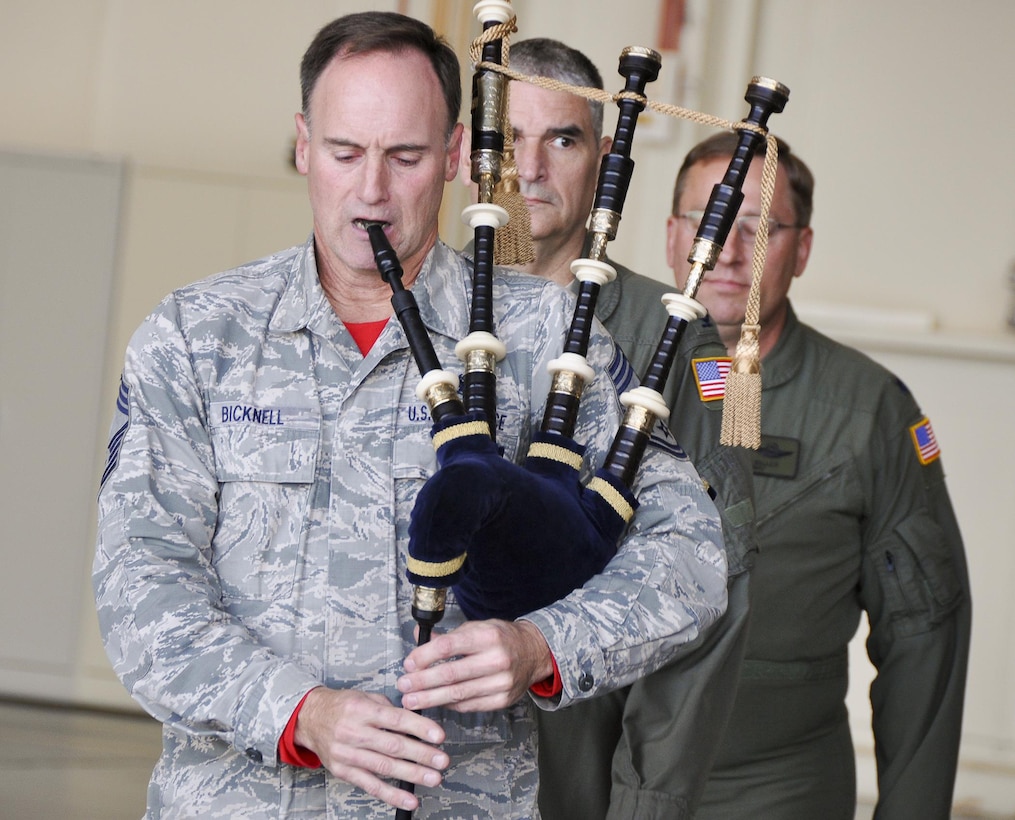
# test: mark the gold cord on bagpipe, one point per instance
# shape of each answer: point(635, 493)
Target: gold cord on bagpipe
point(742, 404)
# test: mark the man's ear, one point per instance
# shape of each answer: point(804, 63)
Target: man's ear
point(803, 250)
point(302, 148)
point(465, 165)
point(454, 154)
point(465, 157)
point(671, 242)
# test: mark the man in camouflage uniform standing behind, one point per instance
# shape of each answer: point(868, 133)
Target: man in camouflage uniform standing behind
point(267, 452)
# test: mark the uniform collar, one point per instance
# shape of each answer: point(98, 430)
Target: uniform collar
point(785, 359)
point(302, 297)
point(443, 292)
point(439, 294)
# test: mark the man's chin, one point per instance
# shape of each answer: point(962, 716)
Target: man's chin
point(728, 321)
point(538, 230)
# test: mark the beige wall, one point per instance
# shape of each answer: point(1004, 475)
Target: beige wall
point(901, 108)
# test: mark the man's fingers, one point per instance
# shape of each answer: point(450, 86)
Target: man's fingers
point(346, 717)
point(439, 648)
point(374, 786)
point(382, 757)
point(460, 684)
point(385, 751)
point(365, 740)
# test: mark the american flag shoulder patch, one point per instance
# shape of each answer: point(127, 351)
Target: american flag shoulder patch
point(710, 376)
point(924, 441)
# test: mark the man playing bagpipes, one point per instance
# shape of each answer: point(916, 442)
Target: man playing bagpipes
point(268, 451)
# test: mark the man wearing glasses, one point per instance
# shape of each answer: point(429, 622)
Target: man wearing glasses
point(853, 516)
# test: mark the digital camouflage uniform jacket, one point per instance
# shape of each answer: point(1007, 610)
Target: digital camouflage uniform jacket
point(253, 523)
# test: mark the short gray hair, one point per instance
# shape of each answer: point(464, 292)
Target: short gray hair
point(545, 57)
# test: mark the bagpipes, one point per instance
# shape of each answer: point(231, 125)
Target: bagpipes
point(510, 538)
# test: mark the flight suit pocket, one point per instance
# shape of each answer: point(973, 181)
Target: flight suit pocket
point(728, 471)
point(918, 576)
point(265, 479)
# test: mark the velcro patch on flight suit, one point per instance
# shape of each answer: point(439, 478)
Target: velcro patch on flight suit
point(710, 376)
point(777, 457)
point(924, 441)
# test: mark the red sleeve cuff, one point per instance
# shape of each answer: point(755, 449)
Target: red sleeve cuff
point(289, 752)
point(550, 687)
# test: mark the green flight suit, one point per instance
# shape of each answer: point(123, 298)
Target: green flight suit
point(850, 519)
point(645, 751)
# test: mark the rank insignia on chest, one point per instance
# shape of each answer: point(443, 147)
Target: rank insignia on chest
point(924, 441)
point(710, 376)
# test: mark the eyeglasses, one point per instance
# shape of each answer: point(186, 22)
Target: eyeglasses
point(746, 225)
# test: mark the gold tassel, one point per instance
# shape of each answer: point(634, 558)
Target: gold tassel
point(741, 411)
point(512, 244)
point(741, 407)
